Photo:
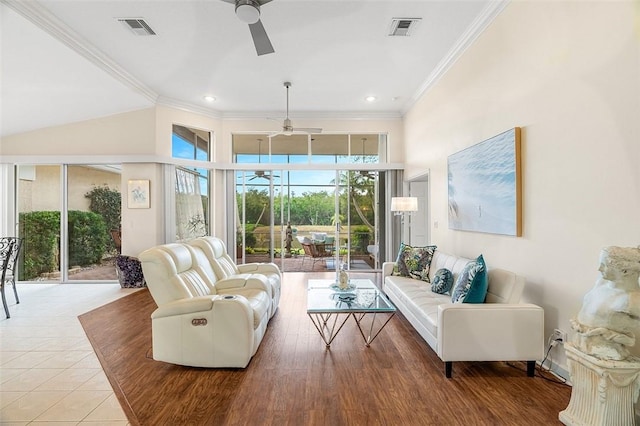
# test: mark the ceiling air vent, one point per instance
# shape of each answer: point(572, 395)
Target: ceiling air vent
point(403, 26)
point(137, 26)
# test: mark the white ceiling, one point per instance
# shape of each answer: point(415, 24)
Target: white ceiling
point(66, 61)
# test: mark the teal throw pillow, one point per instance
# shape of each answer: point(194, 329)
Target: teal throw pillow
point(442, 281)
point(471, 285)
point(414, 262)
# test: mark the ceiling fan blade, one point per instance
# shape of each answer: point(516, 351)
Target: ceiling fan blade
point(260, 39)
point(307, 129)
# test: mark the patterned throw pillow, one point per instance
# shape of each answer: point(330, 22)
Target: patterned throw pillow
point(471, 285)
point(442, 281)
point(414, 262)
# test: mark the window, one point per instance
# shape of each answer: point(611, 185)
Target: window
point(192, 183)
point(320, 185)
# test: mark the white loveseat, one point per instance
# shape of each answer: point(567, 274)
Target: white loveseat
point(204, 319)
point(225, 267)
point(501, 329)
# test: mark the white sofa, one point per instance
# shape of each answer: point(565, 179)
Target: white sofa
point(203, 319)
point(501, 329)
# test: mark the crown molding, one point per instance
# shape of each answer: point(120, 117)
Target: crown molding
point(477, 27)
point(313, 115)
point(277, 115)
point(188, 107)
point(48, 22)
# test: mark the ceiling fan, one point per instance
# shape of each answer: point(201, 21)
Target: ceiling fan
point(369, 174)
point(249, 11)
point(261, 173)
point(287, 127)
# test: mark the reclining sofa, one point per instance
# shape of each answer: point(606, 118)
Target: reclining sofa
point(210, 313)
point(500, 329)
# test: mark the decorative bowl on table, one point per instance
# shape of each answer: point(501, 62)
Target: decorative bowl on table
point(344, 297)
point(336, 287)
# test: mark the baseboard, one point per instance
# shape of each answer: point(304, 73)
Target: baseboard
point(559, 370)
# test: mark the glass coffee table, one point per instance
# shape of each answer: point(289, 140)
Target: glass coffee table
point(329, 308)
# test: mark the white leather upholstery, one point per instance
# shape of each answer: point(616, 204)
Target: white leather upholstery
point(501, 329)
point(224, 266)
point(201, 320)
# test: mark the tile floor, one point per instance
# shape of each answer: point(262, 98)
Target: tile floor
point(49, 373)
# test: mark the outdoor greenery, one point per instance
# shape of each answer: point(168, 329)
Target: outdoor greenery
point(313, 208)
point(41, 230)
point(361, 236)
point(107, 203)
point(87, 238)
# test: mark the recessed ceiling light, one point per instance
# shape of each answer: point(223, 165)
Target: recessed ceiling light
point(209, 98)
point(370, 98)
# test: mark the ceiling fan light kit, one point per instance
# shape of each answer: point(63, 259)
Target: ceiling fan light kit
point(248, 11)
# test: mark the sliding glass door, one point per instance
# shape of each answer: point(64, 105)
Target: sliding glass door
point(69, 218)
point(308, 206)
point(92, 221)
point(39, 190)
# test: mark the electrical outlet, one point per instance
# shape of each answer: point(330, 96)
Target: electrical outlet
point(559, 336)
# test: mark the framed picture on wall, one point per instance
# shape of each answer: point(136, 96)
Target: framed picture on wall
point(138, 194)
point(484, 183)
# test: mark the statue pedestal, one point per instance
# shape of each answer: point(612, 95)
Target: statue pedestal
point(604, 392)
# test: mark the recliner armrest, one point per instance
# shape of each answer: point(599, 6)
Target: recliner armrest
point(490, 332)
point(185, 306)
point(258, 281)
point(259, 268)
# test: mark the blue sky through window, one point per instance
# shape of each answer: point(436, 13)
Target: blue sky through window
point(181, 148)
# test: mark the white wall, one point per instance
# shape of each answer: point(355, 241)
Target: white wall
point(568, 74)
point(142, 228)
point(129, 133)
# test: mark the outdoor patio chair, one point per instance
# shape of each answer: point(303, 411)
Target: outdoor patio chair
point(316, 251)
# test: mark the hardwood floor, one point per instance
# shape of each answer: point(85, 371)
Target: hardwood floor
point(294, 380)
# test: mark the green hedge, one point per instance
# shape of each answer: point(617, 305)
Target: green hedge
point(41, 247)
point(107, 203)
point(249, 237)
point(41, 233)
point(87, 238)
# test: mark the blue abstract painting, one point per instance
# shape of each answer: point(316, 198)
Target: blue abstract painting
point(484, 186)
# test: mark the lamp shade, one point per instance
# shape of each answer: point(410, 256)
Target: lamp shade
point(404, 204)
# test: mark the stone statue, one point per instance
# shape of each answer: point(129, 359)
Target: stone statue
point(610, 314)
point(288, 240)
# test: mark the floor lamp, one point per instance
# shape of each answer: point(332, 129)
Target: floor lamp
point(401, 206)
